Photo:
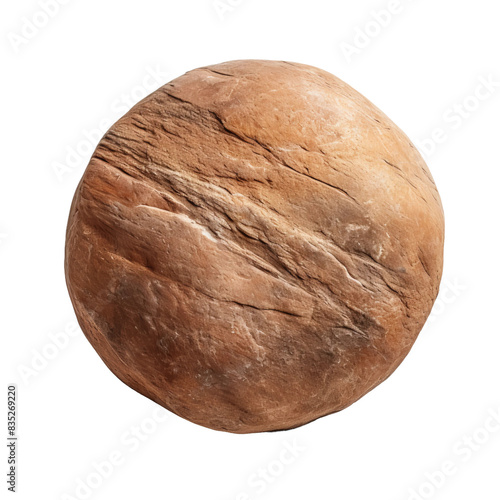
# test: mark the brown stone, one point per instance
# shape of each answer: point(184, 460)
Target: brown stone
point(254, 245)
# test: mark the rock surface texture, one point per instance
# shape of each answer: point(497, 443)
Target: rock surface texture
point(254, 245)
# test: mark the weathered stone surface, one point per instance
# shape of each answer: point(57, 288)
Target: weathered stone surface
point(254, 246)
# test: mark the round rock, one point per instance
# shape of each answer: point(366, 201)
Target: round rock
point(254, 245)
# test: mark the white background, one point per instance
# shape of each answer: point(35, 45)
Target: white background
point(85, 65)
